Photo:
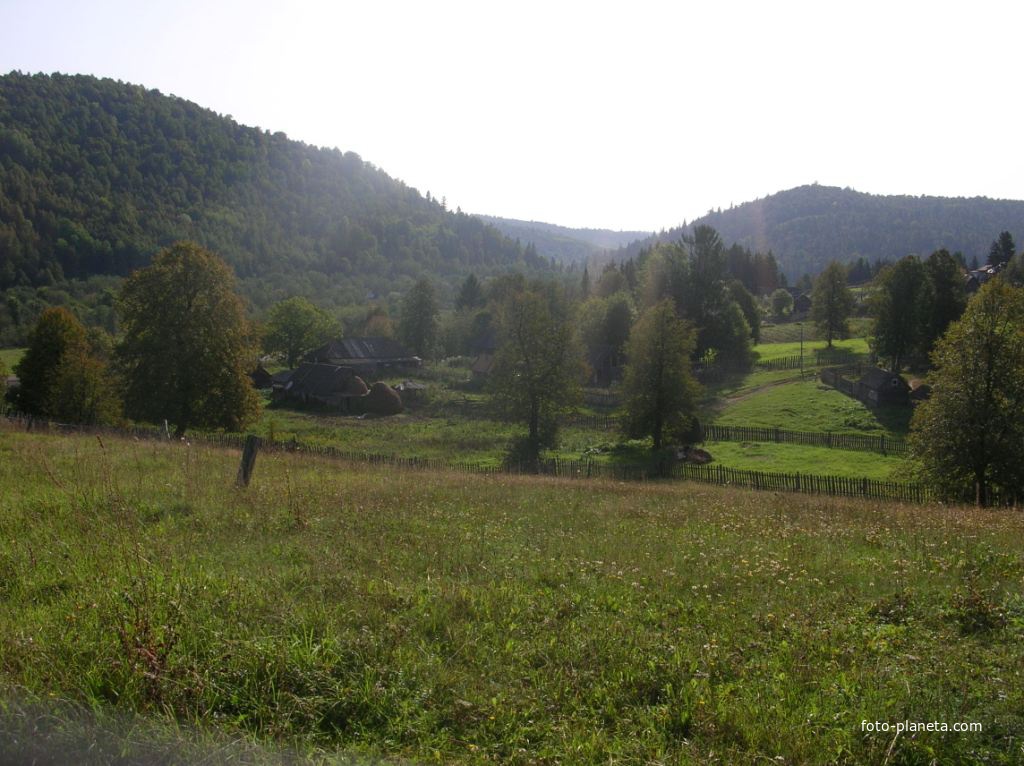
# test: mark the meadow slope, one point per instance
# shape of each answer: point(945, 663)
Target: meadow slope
point(444, 618)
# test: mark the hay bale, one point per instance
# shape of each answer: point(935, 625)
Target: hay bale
point(382, 400)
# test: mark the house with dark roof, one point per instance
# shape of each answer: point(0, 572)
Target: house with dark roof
point(368, 356)
point(801, 304)
point(878, 387)
point(261, 378)
point(323, 385)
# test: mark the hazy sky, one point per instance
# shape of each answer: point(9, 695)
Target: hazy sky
point(627, 115)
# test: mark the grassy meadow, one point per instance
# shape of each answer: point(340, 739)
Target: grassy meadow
point(809, 405)
point(768, 351)
point(427, 617)
point(10, 357)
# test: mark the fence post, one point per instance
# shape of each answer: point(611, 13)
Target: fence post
point(252, 446)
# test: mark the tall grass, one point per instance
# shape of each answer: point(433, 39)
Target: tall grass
point(447, 618)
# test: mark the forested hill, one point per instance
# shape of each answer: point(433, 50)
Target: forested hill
point(97, 175)
point(808, 226)
point(561, 242)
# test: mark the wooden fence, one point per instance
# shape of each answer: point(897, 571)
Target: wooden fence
point(860, 443)
point(835, 486)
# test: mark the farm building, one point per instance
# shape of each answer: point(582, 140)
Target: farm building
point(801, 305)
point(324, 385)
point(880, 387)
point(368, 356)
point(261, 378)
point(873, 385)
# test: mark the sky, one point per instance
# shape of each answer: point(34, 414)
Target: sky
point(622, 115)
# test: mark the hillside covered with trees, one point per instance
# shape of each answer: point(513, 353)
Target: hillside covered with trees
point(561, 242)
point(809, 226)
point(96, 176)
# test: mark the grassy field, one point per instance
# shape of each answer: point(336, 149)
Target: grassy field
point(442, 618)
point(809, 405)
point(766, 351)
point(790, 331)
point(11, 356)
point(798, 458)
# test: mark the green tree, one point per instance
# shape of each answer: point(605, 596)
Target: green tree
point(417, 326)
point(692, 272)
point(946, 297)
point(538, 365)
point(832, 302)
point(1002, 250)
point(782, 303)
point(85, 390)
point(898, 307)
point(295, 326)
point(56, 334)
point(969, 436)
point(63, 376)
point(661, 392)
point(186, 343)
point(748, 305)
point(471, 294)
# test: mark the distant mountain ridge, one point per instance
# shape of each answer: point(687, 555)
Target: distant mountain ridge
point(809, 226)
point(96, 176)
point(562, 242)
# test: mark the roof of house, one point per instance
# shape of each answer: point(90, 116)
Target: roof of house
point(325, 380)
point(282, 377)
point(260, 377)
point(368, 349)
point(878, 379)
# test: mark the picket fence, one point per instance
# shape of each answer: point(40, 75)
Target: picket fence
point(834, 486)
point(856, 442)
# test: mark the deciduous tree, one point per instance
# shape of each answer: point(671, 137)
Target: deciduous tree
point(55, 335)
point(969, 436)
point(186, 343)
point(660, 391)
point(63, 377)
point(296, 326)
point(538, 365)
point(782, 303)
point(831, 302)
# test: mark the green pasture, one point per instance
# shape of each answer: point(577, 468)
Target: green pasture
point(345, 613)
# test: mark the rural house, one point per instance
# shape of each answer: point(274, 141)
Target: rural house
point(368, 356)
point(323, 385)
point(261, 378)
point(801, 305)
point(878, 387)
